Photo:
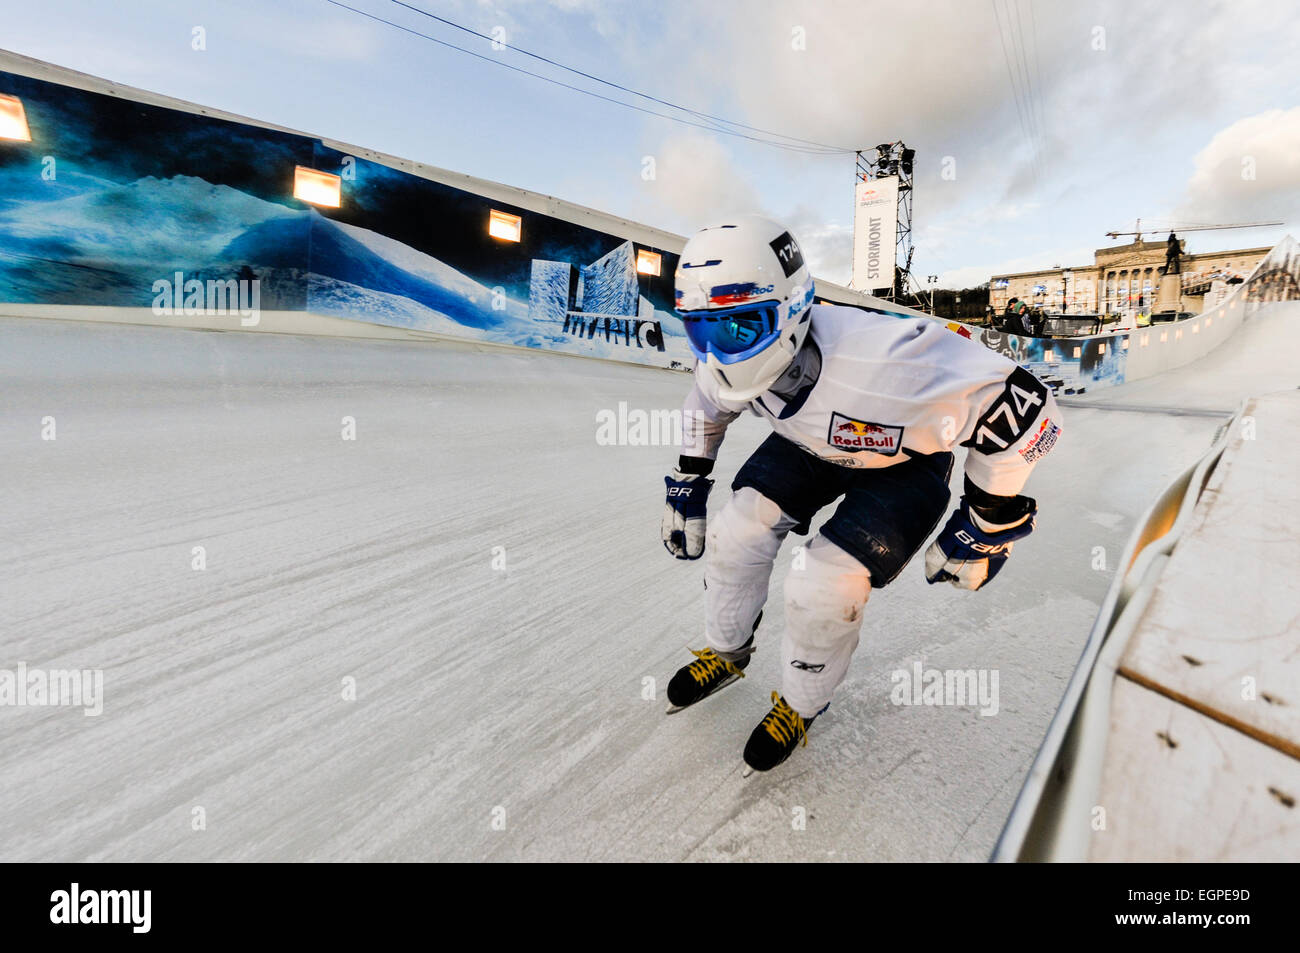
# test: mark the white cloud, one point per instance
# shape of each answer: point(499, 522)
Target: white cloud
point(968, 277)
point(1249, 171)
point(852, 82)
point(827, 246)
point(696, 181)
point(972, 275)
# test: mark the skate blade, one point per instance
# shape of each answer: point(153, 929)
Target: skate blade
point(747, 770)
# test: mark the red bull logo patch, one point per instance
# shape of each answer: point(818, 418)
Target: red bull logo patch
point(1041, 442)
point(857, 436)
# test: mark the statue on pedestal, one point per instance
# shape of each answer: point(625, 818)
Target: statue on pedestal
point(1173, 256)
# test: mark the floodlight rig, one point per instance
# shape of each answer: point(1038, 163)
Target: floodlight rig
point(886, 159)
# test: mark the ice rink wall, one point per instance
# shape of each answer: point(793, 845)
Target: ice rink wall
point(149, 210)
point(133, 207)
point(1081, 365)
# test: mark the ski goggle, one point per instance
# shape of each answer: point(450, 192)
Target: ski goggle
point(732, 334)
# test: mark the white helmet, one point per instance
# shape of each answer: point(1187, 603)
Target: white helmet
point(743, 293)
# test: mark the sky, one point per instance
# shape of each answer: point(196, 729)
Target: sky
point(1039, 126)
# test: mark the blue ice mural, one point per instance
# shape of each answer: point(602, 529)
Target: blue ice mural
point(113, 195)
point(609, 285)
point(550, 290)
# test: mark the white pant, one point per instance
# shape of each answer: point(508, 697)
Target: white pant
point(823, 599)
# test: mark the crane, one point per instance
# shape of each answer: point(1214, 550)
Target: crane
point(1189, 228)
point(1137, 233)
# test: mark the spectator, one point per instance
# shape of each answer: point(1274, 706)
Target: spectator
point(1036, 320)
point(1009, 321)
point(1017, 319)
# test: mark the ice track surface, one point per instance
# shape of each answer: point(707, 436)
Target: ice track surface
point(482, 694)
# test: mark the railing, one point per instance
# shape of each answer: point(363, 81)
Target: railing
point(1050, 819)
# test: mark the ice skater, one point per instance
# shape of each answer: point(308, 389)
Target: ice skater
point(862, 405)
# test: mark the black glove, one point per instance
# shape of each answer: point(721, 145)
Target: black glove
point(685, 514)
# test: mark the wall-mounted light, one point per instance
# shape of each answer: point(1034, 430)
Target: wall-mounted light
point(505, 226)
point(13, 120)
point(1078, 352)
point(318, 188)
point(648, 262)
point(1101, 348)
point(1049, 356)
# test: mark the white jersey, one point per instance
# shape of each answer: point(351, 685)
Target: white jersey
point(888, 387)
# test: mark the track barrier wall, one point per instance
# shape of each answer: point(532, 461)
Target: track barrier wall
point(132, 207)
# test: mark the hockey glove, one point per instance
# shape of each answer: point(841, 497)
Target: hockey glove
point(684, 514)
point(970, 549)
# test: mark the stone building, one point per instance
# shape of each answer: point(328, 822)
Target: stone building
point(1122, 278)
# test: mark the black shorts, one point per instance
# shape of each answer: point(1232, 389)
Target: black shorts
point(886, 515)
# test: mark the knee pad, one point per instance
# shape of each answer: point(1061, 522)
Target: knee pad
point(824, 599)
point(747, 533)
point(742, 543)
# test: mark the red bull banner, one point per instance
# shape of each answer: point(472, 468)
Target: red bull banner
point(875, 231)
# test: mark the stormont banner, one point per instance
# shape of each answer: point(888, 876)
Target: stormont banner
point(875, 228)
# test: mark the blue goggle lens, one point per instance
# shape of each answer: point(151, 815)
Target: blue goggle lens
point(730, 333)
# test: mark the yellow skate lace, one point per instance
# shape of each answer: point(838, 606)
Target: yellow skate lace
point(784, 723)
point(708, 665)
